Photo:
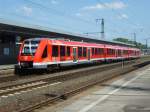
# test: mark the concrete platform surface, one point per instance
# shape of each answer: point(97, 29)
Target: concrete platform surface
point(4, 67)
point(130, 93)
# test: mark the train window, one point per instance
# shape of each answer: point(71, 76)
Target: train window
point(35, 42)
point(119, 52)
point(62, 50)
point(33, 49)
point(55, 51)
point(92, 51)
point(101, 51)
point(113, 51)
point(26, 42)
point(79, 51)
point(110, 51)
point(44, 55)
point(68, 51)
point(125, 52)
point(134, 52)
point(26, 51)
point(96, 51)
point(84, 51)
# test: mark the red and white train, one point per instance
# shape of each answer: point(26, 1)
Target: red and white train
point(45, 53)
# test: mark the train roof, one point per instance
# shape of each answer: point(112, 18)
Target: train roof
point(77, 43)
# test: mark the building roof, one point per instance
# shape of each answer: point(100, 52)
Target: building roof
point(59, 32)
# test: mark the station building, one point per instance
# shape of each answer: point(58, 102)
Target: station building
point(12, 33)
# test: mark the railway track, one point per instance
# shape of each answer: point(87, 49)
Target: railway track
point(6, 88)
point(73, 91)
point(38, 84)
point(14, 89)
point(16, 80)
point(56, 76)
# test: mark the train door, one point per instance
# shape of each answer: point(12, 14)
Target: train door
point(89, 53)
point(74, 54)
point(116, 52)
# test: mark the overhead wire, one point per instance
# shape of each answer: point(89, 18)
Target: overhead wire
point(119, 14)
point(54, 11)
point(38, 19)
point(133, 14)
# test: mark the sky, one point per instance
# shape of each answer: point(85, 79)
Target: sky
point(122, 18)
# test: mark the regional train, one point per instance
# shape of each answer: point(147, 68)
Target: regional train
point(45, 53)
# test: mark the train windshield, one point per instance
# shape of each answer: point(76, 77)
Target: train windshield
point(30, 47)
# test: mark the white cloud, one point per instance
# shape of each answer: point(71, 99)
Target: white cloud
point(123, 16)
point(54, 2)
point(111, 5)
point(78, 14)
point(27, 10)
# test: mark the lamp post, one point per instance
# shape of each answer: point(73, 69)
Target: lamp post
point(146, 44)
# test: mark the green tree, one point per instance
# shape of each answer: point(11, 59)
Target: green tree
point(127, 41)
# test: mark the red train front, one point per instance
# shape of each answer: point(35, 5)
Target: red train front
point(34, 53)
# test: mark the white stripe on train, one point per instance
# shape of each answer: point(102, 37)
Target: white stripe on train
point(71, 62)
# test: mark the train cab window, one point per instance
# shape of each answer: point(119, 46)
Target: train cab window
point(35, 42)
point(55, 51)
point(26, 51)
point(68, 51)
point(44, 55)
point(92, 51)
point(79, 51)
point(62, 50)
point(84, 51)
point(33, 50)
point(26, 42)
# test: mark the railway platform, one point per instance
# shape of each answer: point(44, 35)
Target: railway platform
point(5, 67)
point(128, 93)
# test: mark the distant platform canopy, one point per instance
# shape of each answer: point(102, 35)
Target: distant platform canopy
point(15, 31)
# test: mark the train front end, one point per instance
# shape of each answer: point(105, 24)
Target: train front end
point(27, 54)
